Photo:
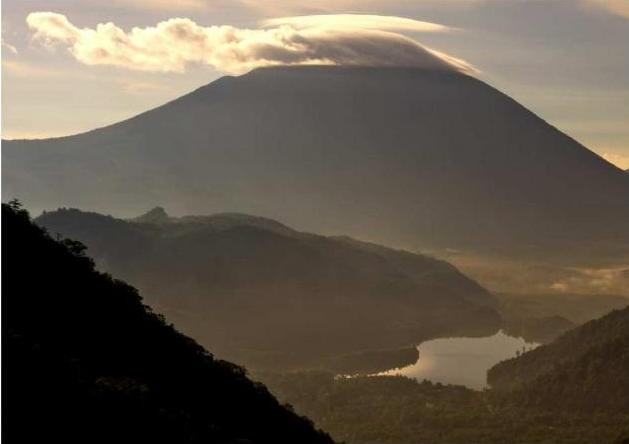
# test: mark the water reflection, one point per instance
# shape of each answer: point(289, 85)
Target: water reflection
point(462, 361)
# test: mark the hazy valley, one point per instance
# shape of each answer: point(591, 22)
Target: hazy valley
point(339, 252)
point(259, 292)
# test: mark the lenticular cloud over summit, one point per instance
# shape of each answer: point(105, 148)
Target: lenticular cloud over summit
point(172, 45)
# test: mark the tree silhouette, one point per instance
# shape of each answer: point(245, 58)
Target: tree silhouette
point(85, 361)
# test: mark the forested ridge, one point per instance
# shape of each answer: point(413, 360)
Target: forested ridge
point(399, 410)
point(85, 361)
point(586, 368)
point(573, 390)
point(267, 296)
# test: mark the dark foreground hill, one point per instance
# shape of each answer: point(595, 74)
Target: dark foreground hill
point(586, 368)
point(401, 156)
point(84, 361)
point(262, 294)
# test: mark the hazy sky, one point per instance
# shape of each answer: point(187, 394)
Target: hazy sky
point(567, 60)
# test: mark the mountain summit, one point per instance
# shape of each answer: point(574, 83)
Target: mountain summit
point(403, 156)
point(156, 215)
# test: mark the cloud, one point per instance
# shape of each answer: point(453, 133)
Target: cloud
point(172, 45)
point(357, 21)
point(288, 7)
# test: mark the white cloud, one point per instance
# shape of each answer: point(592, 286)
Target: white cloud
point(172, 45)
point(357, 21)
point(272, 8)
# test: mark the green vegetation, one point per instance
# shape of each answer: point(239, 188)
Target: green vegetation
point(589, 366)
point(398, 410)
point(85, 361)
point(574, 390)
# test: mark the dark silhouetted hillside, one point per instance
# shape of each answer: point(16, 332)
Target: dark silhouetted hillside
point(262, 294)
point(584, 369)
point(85, 361)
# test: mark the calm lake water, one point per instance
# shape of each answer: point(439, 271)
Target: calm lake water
point(462, 361)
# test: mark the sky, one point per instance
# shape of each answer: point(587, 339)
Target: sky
point(73, 65)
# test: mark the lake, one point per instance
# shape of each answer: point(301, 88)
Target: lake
point(462, 361)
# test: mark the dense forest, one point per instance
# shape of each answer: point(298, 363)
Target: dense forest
point(395, 409)
point(85, 361)
point(399, 410)
point(269, 297)
point(586, 368)
point(574, 390)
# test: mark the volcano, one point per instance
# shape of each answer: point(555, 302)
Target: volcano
point(409, 157)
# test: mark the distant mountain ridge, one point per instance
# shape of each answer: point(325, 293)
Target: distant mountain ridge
point(262, 294)
point(86, 361)
point(159, 216)
point(401, 156)
point(542, 317)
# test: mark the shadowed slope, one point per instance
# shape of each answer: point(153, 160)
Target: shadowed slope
point(585, 368)
point(85, 361)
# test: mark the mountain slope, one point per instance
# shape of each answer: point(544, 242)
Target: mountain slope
point(263, 294)
point(544, 317)
point(85, 361)
point(586, 368)
point(402, 156)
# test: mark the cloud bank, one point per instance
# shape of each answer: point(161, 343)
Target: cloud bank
point(357, 21)
point(172, 45)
